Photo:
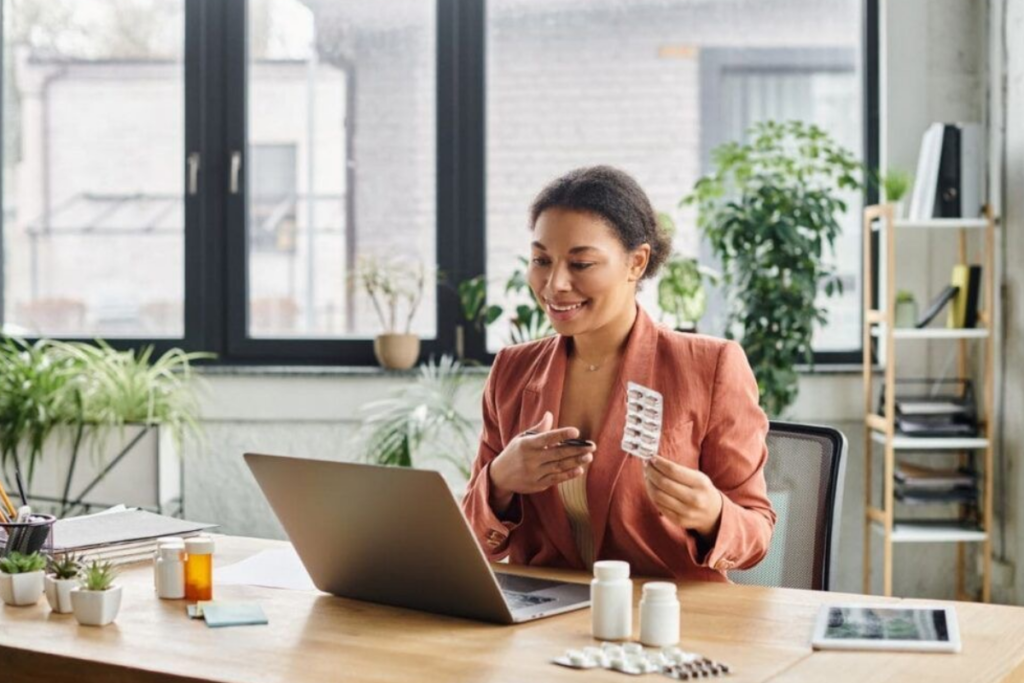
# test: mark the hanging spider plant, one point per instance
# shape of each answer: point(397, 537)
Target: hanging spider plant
point(422, 422)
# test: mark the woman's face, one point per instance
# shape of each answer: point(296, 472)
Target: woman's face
point(580, 272)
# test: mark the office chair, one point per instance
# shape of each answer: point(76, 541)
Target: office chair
point(805, 472)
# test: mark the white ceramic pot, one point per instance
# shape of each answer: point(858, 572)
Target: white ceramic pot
point(21, 589)
point(906, 314)
point(96, 608)
point(58, 594)
point(397, 351)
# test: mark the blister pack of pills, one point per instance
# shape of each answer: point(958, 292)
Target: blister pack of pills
point(642, 433)
point(634, 660)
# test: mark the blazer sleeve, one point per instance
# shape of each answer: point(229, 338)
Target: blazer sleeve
point(733, 455)
point(491, 532)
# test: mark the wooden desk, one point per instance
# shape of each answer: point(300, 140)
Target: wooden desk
point(763, 633)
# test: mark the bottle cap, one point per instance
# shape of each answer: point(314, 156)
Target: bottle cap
point(171, 552)
point(611, 569)
point(199, 545)
point(169, 540)
point(660, 590)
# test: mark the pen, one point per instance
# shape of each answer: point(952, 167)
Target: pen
point(19, 482)
point(9, 512)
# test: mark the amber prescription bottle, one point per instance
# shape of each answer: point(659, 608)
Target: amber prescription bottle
point(199, 568)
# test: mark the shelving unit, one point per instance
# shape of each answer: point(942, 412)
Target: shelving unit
point(880, 429)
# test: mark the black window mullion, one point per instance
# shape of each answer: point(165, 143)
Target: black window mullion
point(204, 244)
point(471, 146)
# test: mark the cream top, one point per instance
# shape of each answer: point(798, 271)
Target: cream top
point(574, 497)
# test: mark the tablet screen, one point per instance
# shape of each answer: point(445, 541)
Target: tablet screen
point(881, 627)
point(858, 623)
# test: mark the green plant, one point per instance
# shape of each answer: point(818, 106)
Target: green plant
point(904, 297)
point(527, 322)
point(770, 210)
point(681, 293)
point(896, 183)
point(49, 384)
point(129, 387)
point(422, 421)
point(66, 567)
point(391, 286)
point(38, 393)
point(97, 576)
point(473, 297)
point(18, 563)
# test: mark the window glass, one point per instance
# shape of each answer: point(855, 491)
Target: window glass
point(652, 87)
point(93, 140)
point(342, 163)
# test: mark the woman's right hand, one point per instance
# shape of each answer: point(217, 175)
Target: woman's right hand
point(533, 462)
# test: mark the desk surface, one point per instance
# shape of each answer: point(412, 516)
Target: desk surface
point(763, 633)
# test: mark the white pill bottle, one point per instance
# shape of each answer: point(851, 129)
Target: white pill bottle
point(659, 614)
point(611, 601)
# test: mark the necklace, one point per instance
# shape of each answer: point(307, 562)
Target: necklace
point(593, 367)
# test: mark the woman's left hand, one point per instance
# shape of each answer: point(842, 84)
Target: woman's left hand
point(685, 496)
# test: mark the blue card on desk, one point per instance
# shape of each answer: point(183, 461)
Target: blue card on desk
point(218, 614)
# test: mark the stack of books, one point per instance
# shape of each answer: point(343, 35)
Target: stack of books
point(119, 535)
point(918, 485)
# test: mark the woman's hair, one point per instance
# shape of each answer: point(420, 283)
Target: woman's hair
point(614, 196)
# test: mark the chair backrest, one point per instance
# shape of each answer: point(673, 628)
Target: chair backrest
point(805, 472)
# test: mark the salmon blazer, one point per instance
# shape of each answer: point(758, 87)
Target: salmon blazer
point(712, 422)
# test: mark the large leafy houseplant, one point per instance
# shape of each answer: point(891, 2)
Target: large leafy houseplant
point(422, 422)
point(770, 211)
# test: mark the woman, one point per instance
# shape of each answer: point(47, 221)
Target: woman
point(696, 510)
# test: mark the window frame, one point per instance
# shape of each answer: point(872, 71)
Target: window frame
point(216, 271)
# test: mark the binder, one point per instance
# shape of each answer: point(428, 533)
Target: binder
point(922, 202)
point(958, 310)
point(973, 294)
point(947, 189)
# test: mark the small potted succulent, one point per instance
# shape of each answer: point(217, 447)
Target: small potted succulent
point(906, 309)
point(96, 600)
point(21, 578)
point(896, 183)
point(61, 578)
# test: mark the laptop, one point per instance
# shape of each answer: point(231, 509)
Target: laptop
point(396, 536)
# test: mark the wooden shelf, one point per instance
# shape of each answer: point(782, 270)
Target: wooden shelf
point(936, 224)
point(933, 333)
point(909, 532)
point(919, 443)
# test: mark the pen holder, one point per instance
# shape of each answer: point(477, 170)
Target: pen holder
point(29, 537)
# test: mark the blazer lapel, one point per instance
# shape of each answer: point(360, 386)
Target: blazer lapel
point(637, 366)
point(544, 393)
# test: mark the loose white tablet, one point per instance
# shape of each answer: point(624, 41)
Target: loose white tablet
point(886, 627)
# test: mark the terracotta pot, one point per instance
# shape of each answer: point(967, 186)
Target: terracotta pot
point(96, 608)
point(58, 594)
point(397, 351)
point(21, 589)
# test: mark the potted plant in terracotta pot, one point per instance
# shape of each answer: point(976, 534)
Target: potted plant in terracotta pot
point(21, 578)
point(96, 601)
point(61, 579)
point(395, 290)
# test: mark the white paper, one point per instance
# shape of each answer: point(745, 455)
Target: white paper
point(269, 569)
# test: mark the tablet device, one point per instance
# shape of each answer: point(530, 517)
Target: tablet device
point(886, 627)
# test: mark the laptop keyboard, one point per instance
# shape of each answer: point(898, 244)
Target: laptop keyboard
point(524, 600)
